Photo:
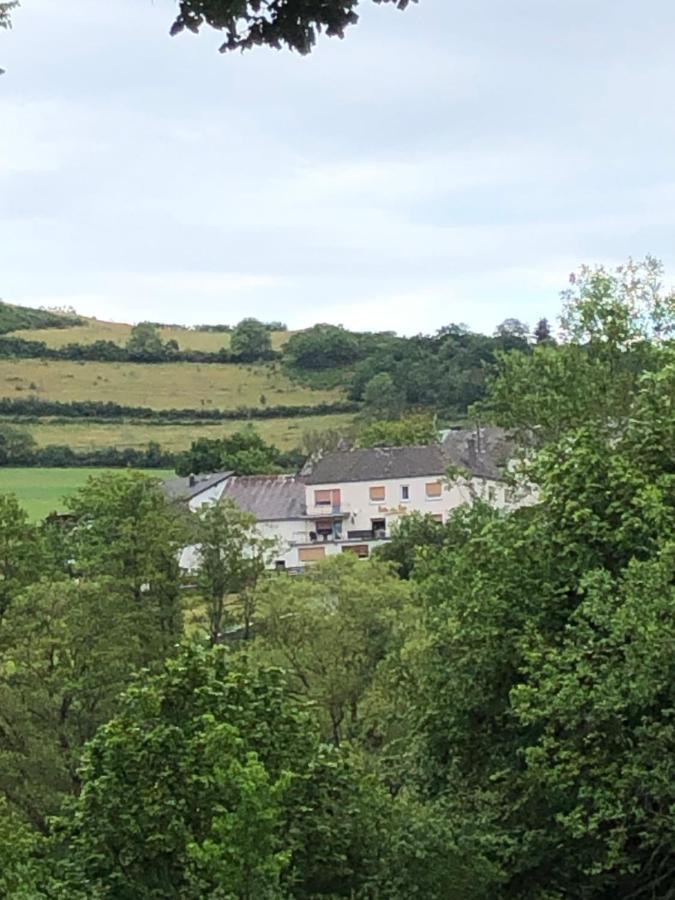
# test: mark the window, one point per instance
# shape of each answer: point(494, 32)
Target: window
point(405, 492)
point(379, 528)
point(438, 517)
point(330, 498)
point(360, 550)
point(311, 554)
point(280, 565)
point(433, 490)
point(492, 493)
point(377, 494)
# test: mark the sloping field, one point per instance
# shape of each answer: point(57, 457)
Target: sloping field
point(81, 436)
point(41, 491)
point(157, 385)
point(95, 330)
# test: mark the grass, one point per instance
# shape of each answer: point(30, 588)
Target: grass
point(95, 330)
point(283, 433)
point(160, 385)
point(42, 491)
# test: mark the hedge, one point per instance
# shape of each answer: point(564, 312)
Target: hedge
point(95, 409)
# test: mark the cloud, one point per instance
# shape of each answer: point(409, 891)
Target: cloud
point(447, 163)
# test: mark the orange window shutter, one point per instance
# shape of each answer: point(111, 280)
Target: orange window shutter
point(377, 493)
point(434, 489)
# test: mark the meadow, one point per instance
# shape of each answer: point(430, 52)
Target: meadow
point(283, 433)
point(158, 385)
point(118, 333)
point(42, 491)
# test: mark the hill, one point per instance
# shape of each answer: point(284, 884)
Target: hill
point(87, 331)
point(13, 318)
point(200, 390)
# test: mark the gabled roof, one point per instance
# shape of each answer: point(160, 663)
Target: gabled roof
point(483, 452)
point(379, 464)
point(192, 486)
point(267, 497)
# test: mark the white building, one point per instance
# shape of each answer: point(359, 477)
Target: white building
point(349, 501)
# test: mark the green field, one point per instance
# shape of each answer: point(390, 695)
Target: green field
point(80, 435)
point(157, 385)
point(95, 330)
point(42, 491)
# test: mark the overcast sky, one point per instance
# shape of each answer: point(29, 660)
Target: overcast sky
point(451, 163)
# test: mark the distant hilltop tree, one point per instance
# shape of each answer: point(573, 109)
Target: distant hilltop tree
point(251, 340)
point(542, 332)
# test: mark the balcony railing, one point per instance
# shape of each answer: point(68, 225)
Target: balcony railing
point(327, 510)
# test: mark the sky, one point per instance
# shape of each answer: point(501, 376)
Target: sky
point(450, 163)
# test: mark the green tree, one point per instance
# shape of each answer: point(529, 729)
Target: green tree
point(406, 432)
point(382, 399)
point(243, 452)
point(20, 551)
point(322, 347)
point(17, 447)
point(145, 341)
point(231, 557)
point(542, 332)
point(67, 649)
point(292, 23)
point(330, 630)
point(541, 691)
point(615, 324)
point(251, 340)
point(128, 531)
point(211, 782)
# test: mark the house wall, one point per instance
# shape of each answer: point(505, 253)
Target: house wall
point(360, 511)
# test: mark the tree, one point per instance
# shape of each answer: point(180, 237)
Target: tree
point(231, 557)
point(145, 341)
point(542, 332)
point(17, 447)
point(406, 432)
point(21, 558)
point(512, 328)
point(382, 399)
point(277, 23)
point(251, 340)
point(243, 452)
point(542, 687)
point(67, 650)
point(211, 782)
point(322, 347)
point(128, 531)
point(330, 629)
point(5, 17)
point(615, 325)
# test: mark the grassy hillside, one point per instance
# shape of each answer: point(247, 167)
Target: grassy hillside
point(94, 330)
point(41, 491)
point(15, 317)
point(81, 436)
point(157, 385)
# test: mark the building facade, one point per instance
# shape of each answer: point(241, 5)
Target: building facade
point(349, 501)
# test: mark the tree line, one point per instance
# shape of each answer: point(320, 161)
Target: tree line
point(482, 711)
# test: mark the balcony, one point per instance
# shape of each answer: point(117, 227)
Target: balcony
point(327, 511)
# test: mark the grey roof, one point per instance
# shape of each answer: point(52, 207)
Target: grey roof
point(379, 464)
point(267, 497)
point(483, 451)
point(192, 486)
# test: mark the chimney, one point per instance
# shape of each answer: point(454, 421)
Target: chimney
point(192, 481)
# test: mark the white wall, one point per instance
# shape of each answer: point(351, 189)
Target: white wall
point(360, 510)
